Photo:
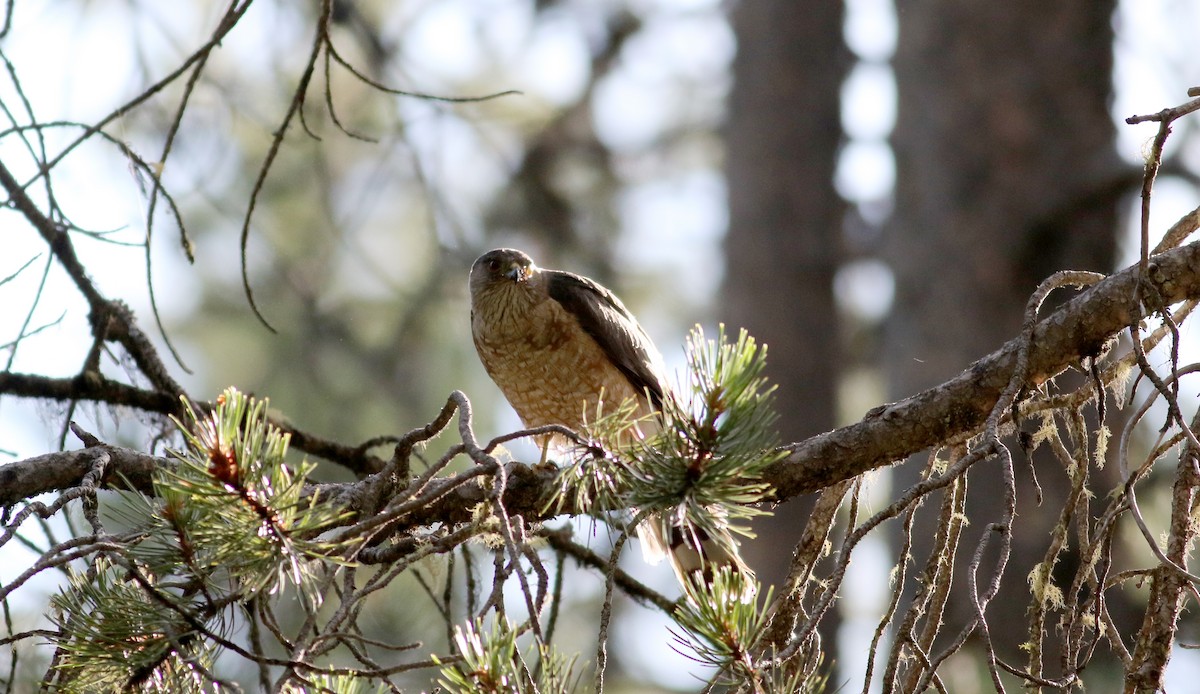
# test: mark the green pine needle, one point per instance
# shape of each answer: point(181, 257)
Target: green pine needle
point(492, 662)
point(113, 632)
point(703, 468)
point(721, 628)
point(232, 509)
point(341, 684)
point(227, 524)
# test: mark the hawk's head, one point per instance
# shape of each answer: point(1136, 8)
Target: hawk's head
point(500, 265)
point(502, 277)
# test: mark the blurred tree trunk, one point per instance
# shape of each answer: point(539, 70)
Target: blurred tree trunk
point(1005, 173)
point(783, 243)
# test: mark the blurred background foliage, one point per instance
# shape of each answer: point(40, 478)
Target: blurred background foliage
point(843, 179)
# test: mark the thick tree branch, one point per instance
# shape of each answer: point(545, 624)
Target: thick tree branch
point(1078, 329)
point(54, 471)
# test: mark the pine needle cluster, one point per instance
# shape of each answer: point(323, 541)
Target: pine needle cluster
point(719, 632)
point(721, 629)
point(700, 473)
point(115, 638)
point(233, 508)
point(702, 469)
point(492, 662)
point(226, 525)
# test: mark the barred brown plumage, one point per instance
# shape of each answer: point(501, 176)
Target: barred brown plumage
point(558, 345)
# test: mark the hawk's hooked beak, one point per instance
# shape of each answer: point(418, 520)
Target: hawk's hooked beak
point(517, 272)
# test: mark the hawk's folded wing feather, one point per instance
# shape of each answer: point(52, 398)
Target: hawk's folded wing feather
point(602, 316)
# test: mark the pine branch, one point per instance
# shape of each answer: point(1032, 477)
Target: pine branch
point(1080, 328)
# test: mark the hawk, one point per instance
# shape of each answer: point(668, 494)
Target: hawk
point(558, 344)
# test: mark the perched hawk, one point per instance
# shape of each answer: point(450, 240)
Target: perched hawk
point(555, 343)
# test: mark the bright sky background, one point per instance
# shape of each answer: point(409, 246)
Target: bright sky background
point(678, 222)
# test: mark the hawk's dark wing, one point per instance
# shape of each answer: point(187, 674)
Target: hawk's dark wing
point(602, 315)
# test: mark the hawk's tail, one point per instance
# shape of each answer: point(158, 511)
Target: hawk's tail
point(694, 555)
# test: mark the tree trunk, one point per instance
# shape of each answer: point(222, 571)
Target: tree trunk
point(783, 243)
point(1006, 173)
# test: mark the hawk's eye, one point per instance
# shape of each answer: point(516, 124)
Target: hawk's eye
point(493, 265)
